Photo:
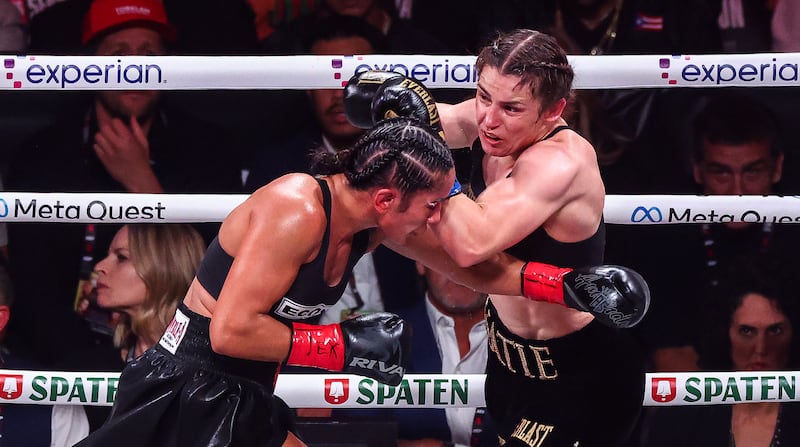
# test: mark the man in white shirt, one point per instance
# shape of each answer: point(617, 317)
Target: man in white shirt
point(450, 337)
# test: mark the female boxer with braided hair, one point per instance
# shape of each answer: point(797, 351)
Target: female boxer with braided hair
point(283, 256)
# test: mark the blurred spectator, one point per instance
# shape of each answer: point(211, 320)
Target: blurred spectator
point(33, 425)
point(146, 274)
point(459, 32)
point(745, 25)
point(326, 124)
point(785, 32)
point(450, 337)
point(13, 31)
point(402, 37)
point(382, 279)
point(13, 40)
point(611, 26)
point(119, 141)
point(755, 308)
point(213, 27)
point(271, 14)
point(734, 152)
point(202, 27)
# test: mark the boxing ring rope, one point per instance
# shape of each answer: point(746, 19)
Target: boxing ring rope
point(164, 208)
point(311, 72)
point(415, 390)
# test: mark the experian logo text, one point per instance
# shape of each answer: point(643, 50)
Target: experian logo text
point(433, 73)
point(691, 71)
point(106, 74)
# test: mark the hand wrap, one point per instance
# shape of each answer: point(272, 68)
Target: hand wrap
point(373, 345)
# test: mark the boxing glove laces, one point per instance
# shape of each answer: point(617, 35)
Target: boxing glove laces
point(617, 296)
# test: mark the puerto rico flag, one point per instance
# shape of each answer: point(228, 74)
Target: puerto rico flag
point(646, 22)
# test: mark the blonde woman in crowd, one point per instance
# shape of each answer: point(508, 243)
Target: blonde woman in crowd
point(146, 274)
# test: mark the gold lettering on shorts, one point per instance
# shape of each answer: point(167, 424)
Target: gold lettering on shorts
point(540, 362)
point(510, 353)
point(532, 433)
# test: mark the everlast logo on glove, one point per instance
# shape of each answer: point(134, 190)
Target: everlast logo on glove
point(373, 96)
point(377, 365)
point(425, 96)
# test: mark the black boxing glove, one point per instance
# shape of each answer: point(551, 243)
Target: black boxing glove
point(373, 345)
point(360, 92)
point(392, 95)
point(617, 296)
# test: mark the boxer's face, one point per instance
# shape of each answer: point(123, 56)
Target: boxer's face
point(509, 118)
point(760, 335)
point(134, 41)
point(410, 214)
point(119, 287)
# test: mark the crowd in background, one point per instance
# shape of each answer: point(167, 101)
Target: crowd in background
point(648, 141)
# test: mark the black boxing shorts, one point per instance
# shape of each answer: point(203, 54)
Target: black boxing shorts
point(181, 393)
point(581, 390)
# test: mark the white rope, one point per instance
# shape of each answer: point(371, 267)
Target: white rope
point(415, 391)
point(312, 72)
point(154, 208)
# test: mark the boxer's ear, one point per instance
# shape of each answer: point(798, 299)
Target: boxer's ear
point(383, 198)
point(554, 112)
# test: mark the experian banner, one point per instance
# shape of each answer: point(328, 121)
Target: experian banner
point(311, 72)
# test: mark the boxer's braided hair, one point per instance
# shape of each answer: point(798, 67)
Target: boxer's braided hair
point(398, 152)
point(536, 58)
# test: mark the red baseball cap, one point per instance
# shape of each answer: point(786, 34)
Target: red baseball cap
point(106, 15)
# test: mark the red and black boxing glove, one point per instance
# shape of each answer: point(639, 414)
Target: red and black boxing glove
point(372, 96)
point(373, 345)
point(617, 296)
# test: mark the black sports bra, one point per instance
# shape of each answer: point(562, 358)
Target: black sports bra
point(309, 290)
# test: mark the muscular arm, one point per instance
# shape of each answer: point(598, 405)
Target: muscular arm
point(458, 121)
point(509, 209)
point(271, 248)
point(498, 275)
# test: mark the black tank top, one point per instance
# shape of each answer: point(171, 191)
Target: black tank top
point(309, 295)
point(539, 246)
